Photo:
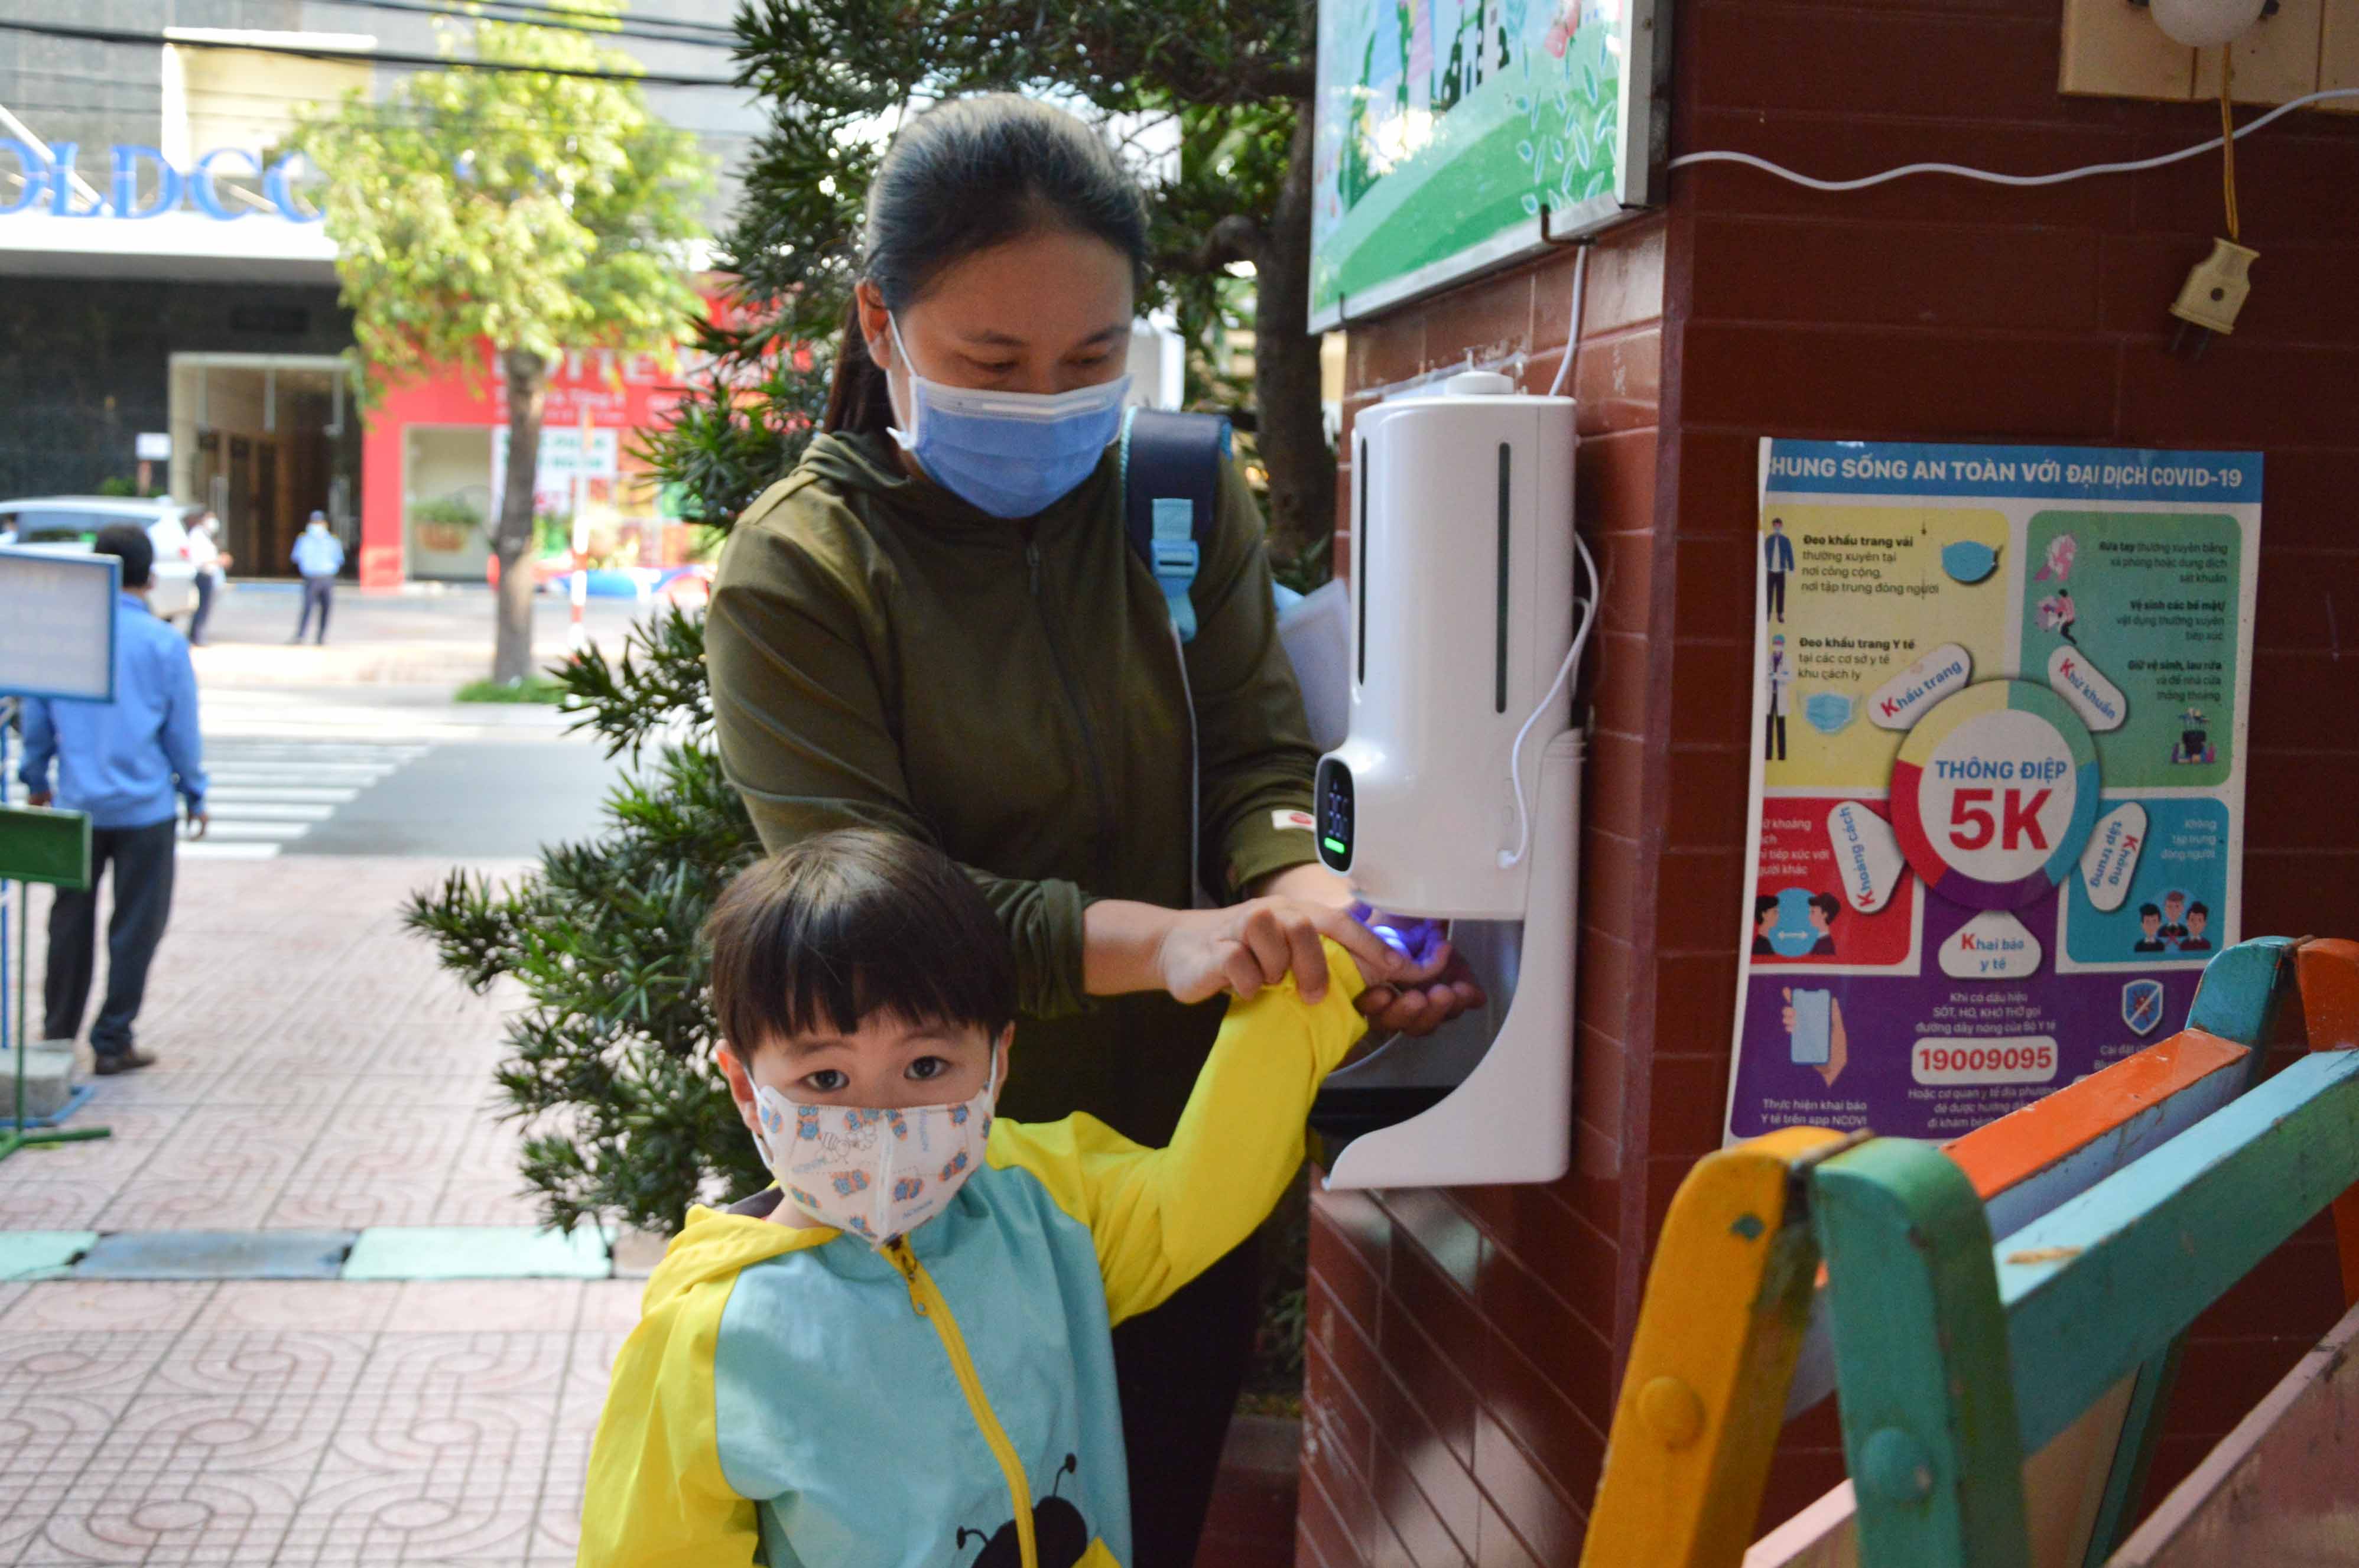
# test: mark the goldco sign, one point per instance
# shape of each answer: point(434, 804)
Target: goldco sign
point(49, 184)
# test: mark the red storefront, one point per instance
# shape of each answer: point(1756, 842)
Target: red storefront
point(435, 446)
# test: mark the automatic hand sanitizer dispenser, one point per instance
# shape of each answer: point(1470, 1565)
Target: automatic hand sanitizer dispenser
point(1457, 794)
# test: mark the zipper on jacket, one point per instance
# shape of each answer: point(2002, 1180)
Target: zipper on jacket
point(927, 1298)
point(1103, 835)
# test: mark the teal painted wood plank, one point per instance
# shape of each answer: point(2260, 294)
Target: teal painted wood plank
point(1921, 1359)
point(2241, 986)
point(2134, 1452)
point(42, 1254)
point(2102, 1284)
point(478, 1252)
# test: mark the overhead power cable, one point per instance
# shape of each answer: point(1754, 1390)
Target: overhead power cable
point(362, 56)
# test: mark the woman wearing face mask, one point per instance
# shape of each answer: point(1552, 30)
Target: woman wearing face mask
point(936, 625)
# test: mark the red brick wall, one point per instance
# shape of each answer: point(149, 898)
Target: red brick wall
point(1466, 1344)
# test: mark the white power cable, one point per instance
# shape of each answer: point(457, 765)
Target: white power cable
point(1587, 607)
point(1572, 333)
point(2059, 178)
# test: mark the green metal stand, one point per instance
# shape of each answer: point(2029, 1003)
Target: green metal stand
point(34, 845)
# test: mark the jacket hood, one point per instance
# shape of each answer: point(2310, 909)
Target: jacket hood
point(715, 1243)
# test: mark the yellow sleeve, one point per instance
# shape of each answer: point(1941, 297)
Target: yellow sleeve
point(1161, 1217)
point(656, 1497)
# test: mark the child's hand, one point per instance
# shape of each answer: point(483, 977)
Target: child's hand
point(1258, 943)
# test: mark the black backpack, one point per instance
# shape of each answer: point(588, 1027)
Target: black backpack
point(1171, 487)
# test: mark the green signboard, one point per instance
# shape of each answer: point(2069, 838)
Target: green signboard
point(1455, 136)
point(38, 845)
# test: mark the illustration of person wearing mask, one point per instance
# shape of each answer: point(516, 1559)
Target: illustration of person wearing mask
point(1776, 561)
point(1781, 700)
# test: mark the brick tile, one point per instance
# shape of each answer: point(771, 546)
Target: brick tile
point(1425, 1422)
point(2303, 182)
point(1926, 275)
point(1711, 692)
point(1611, 877)
point(1379, 352)
point(1699, 893)
point(2289, 691)
point(2296, 612)
point(1841, 146)
point(1347, 1338)
point(1354, 1279)
point(1626, 562)
point(1904, 384)
point(1689, 1096)
point(1431, 1342)
point(1491, 317)
point(1619, 678)
point(1619, 381)
point(1557, 1327)
point(2306, 299)
point(1592, 1188)
point(1616, 784)
point(1338, 1432)
point(1914, 63)
point(1625, 286)
point(1603, 1065)
point(1714, 577)
point(1614, 482)
point(1533, 1503)
point(1447, 1239)
point(1358, 1220)
point(2288, 891)
point(2240, 400)
point(1704, 806)
point(1609, 969)
point(1424, 1537)
point(2308, 500)
point(1695, 1000)
point(1322, 1537)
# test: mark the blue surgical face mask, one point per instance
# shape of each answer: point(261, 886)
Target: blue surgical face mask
point(1010, 453)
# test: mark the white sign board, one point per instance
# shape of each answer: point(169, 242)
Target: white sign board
point(563, 456)
point(57, 624)
point(152, 446)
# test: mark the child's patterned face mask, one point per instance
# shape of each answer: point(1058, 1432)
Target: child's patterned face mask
point(877, 1174)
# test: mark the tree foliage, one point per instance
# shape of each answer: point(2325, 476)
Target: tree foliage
point(532, 212)
point(1229, 79)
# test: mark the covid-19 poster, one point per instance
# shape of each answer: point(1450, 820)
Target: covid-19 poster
point(1997, 808)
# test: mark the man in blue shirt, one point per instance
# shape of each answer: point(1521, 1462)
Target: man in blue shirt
point(123, 762)
point(1776, 561)
point(319, 556)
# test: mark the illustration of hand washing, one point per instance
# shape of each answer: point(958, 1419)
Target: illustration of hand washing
point(2058, 565)
point(1814, 1020)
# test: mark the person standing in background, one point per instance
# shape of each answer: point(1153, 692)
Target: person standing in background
point(212, 563)
point(319, 556)
point(122, 762)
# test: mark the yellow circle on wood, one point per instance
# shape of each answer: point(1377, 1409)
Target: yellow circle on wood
point(1671, 1410)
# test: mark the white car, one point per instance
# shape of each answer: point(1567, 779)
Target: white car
point(70, 523)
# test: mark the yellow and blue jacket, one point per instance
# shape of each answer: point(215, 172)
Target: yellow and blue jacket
point(795, 1399)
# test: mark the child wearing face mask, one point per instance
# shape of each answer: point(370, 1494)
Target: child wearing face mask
point(901, 1353)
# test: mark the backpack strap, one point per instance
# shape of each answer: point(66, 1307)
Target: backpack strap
point(1171, 488)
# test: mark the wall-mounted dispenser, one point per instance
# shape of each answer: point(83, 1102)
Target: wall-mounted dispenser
point(1456, 795)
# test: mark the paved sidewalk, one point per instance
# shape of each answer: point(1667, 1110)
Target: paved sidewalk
point(318, 1071)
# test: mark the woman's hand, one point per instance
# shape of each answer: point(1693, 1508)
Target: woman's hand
point(1411, 1001)
point(1249, 945)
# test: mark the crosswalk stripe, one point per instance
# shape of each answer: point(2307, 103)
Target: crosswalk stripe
point(239, 828)
point(299, 793)
point(319, 773)
point(266, 811)
point(205, 849)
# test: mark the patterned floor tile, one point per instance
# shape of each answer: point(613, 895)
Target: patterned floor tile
point(216, 1204)
point(31, 1202)
point(310, 1306)
point(611, 1305)
point(133, 1309)
point(503, 1206)
point(356, 1202)
point(131, 1515)
point(355, 1517)
point(486, 1306)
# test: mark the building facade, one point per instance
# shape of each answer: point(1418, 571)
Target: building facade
point(163, 280)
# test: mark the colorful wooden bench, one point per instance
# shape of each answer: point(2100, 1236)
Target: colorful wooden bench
point(1726, 1349)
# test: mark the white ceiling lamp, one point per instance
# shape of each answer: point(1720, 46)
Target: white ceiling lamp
point(2206, 24)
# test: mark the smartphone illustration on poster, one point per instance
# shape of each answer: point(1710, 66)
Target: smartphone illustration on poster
point(1813, 1034)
